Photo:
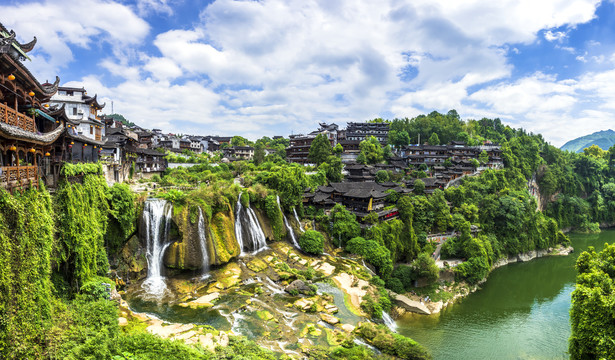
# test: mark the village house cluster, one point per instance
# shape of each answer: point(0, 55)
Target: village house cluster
point(361, 194)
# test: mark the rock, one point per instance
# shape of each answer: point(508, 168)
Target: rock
point(330, 319)
point(122, 321)
point(348, 328)
point(207, 341)
point(165, 331)
point(303, 304)
point(411, 305)
point(345, 282)
point(436, 307)
point(299, 287)
point(331, 309)
point(326, 268)
point(204, 301)
point(264, 315)
point(224, 339)
point(257, 265)
point(185, 336)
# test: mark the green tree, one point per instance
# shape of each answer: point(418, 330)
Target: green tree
point(591, 315)
point(320, 149)
point(408, 236)
point(371, 151)
point(424, 266)
point(312, 242)
point(240, 141)
point(434, 139)
point(399, 138)
point(259, 154)
point(483, 157)
point(332, 168)
point(344, 225)
point(382, 176)
point(419, 187)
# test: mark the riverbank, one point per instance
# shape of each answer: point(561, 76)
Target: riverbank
point(432, 300)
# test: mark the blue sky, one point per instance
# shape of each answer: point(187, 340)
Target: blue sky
point(276, 67)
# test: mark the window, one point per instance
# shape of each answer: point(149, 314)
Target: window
point(74, 111)
point(91, 129)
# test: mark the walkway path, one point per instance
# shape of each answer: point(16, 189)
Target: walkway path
point(440, 239)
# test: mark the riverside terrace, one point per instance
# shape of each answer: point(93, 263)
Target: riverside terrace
point(360, 198)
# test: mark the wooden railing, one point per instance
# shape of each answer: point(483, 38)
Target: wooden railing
point(15, 118)
point(15, 176)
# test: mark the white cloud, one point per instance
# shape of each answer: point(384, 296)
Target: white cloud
point(60, 26)
point(158, 6)
point(257, 67)
point(555, 35)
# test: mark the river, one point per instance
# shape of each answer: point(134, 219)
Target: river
point(522, 312)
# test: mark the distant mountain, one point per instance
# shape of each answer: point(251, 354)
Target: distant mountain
point(605, 139)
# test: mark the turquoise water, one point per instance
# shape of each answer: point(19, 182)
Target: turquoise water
point(522, 312)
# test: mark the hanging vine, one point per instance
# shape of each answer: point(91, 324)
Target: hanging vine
point(82, 211)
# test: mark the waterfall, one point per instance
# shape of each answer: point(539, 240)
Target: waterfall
point(203, 241)
point(246, 223)
point(157, 221)
point(238, 226)
point(290, 229)
point(389, 322)
point(298, 221)
point(259, 241)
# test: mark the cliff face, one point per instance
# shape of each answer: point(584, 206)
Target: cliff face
point(185, 252)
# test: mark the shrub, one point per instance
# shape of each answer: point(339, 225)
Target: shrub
point(395, 285)
point(390, 343)
point(473, 270)
point(312, 242)
point(424, 266)
point(95, 290)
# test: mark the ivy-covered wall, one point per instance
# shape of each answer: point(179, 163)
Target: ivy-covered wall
point(82, 212)
point(26, 243)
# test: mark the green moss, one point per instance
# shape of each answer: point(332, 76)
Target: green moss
point(223, 236)
point(82, 222)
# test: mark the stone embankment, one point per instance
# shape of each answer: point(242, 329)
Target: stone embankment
point(531, 255)
point(417, 305)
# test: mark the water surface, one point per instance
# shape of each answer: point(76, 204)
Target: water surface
point(522, 312)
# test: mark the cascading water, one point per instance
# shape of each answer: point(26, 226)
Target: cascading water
point(298, 221)
point(389, 322)
point(255, 239)
point(238, 226)
point(157, 221)
point(203, 241)
point(290, 229)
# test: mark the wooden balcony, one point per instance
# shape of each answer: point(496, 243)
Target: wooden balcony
point(12, 117)
point(18, 176)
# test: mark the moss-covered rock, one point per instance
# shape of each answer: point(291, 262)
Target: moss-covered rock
point(132, 263)
point(185, 252)
point(224, 242)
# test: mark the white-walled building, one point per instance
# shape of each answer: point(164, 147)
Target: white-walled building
point(81, 111)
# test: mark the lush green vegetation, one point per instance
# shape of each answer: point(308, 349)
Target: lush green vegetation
point(69, 169)
point(591, 315)
point(390, 343)
point(312, 242)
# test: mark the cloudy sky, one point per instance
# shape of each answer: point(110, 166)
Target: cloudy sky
point(276, 67)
